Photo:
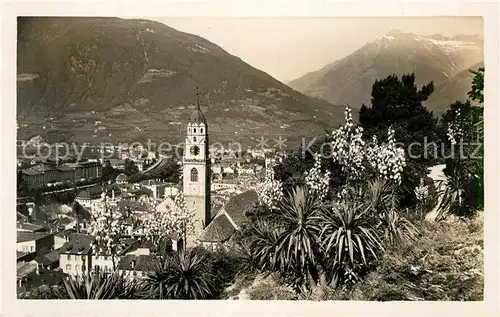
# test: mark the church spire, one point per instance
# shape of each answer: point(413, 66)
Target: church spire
point(197, 116)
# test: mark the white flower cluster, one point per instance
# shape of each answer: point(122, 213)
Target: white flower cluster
point(108, 227)
point(270, 192)
point(422, 191)
point(387, 159)
point(176, 218)
point(348, 147)
point(317, 181)
point(455, 131)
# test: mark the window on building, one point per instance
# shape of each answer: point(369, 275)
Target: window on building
point(32, 248)
point(77, 267)
point(69, 257)
point(105, 268)
point(97, 257)
point(68, 267)
point(143, 273)
point(194, 175)
point(83, 257)
point(201, 130)
point(83, 267)
point(135, 273)
point(194, 130)
point(105, 258)
point(194, 139)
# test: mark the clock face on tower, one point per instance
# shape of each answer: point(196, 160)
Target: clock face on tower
point(195, 150)
point(194, 189)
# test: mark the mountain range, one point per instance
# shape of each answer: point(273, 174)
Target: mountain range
point(126, 80)
point(123, 80)
point(444, 60)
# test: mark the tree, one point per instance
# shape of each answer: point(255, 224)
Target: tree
point(171, 217)
point(108, 226)
point(477, 88)
point(397, 103)
point(464, 169)
point(476, 94)
point(108, 172)
point(130, 168)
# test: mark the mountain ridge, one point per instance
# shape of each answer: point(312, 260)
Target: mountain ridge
point(108, 79)
point(436, 58)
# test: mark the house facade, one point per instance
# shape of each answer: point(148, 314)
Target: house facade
point(76, 254)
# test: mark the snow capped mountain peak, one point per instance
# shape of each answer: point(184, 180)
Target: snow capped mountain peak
point(451, 46)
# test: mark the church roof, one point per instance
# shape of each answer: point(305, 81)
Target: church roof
point(197, 116)
point(219, 230)
point(237, 205)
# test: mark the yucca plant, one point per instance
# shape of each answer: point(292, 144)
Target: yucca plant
point(263, 242)
point(101, 285)
point(350, 238)
point(183, 275)
point(395, 228)
point(380, 195)
point(459, 196)
point(299, 218)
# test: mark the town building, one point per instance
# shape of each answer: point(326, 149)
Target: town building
point(45, 173)
point(137, 265)
point(34, 242)
point(76, 254)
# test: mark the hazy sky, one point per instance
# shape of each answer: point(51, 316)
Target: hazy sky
point(287, 48)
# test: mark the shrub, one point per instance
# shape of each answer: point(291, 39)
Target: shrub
point(445, 263)
point(183, 275)
point(101, 286)
point(271, 287)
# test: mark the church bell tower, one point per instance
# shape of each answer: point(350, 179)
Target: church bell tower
point(196, 168)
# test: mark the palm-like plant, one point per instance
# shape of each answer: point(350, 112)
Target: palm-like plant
point(299, 218)
point(395, 229)
point(382, 200)
point(182, 275)
point(262, 242)
point(380, 195)
point(102, 286)
point(349, 232)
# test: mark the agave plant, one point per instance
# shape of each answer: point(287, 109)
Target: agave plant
point(183, 275)
point(101, 285)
